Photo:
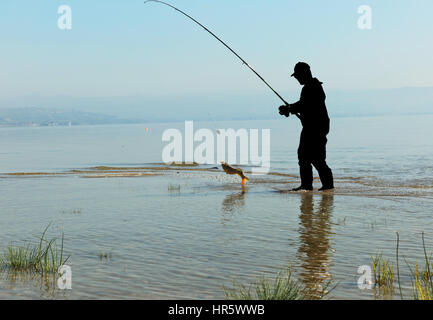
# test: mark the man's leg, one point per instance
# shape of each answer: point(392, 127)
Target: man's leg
point(319, 162)
point(306, 173)
point(304, 161)
point(325, 174)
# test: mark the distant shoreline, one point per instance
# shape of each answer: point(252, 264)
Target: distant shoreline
point(69, 123)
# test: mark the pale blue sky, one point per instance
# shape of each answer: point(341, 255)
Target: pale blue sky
point(120, 48)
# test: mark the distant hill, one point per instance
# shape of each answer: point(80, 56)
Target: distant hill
point(213, 106)
point(263, 105)
point(54, 117)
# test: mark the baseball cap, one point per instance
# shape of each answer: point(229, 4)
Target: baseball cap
point(300, 67)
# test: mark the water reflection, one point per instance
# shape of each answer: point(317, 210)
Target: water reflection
point(233, 202)
point(314, 250)
point(43, 286)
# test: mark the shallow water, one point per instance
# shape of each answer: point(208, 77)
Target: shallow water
point(185, 232)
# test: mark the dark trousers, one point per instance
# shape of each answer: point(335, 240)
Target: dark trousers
point(312, 151)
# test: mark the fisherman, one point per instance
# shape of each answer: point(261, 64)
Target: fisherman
point(311, 110)
point(313, 114)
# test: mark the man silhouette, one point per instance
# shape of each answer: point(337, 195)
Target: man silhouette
point(311, 110)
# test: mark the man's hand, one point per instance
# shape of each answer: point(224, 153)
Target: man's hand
point(285, 110)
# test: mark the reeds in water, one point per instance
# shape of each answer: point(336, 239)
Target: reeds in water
point(422, 278)
point(44, 257)
point(105, 255)
point(383, 271)
point(283, 287)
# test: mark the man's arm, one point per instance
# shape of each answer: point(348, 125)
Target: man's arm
point(285, 110)
point(295, 108)
point(298, 106)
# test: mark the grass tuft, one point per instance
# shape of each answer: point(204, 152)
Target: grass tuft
point(105, 255)
point(284, 287)
point(174, 187)
point(44, 257)
point(422, 278)
point(383, 272)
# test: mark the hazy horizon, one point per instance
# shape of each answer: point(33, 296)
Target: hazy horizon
point(233, 106)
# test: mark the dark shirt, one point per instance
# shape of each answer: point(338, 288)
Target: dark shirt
point(311, 108)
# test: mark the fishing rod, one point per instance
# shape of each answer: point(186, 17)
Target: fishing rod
point(216, 37)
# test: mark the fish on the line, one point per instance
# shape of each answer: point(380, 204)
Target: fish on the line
point(230, 170)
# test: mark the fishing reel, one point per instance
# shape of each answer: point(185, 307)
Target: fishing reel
point(285, 110)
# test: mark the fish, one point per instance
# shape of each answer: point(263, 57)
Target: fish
point(230, 170)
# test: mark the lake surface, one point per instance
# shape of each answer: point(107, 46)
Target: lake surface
point(184, 232)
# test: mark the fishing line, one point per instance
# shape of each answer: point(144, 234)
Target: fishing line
point(216, 37)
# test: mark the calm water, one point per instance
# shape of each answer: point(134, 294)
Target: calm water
point(185, 233)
